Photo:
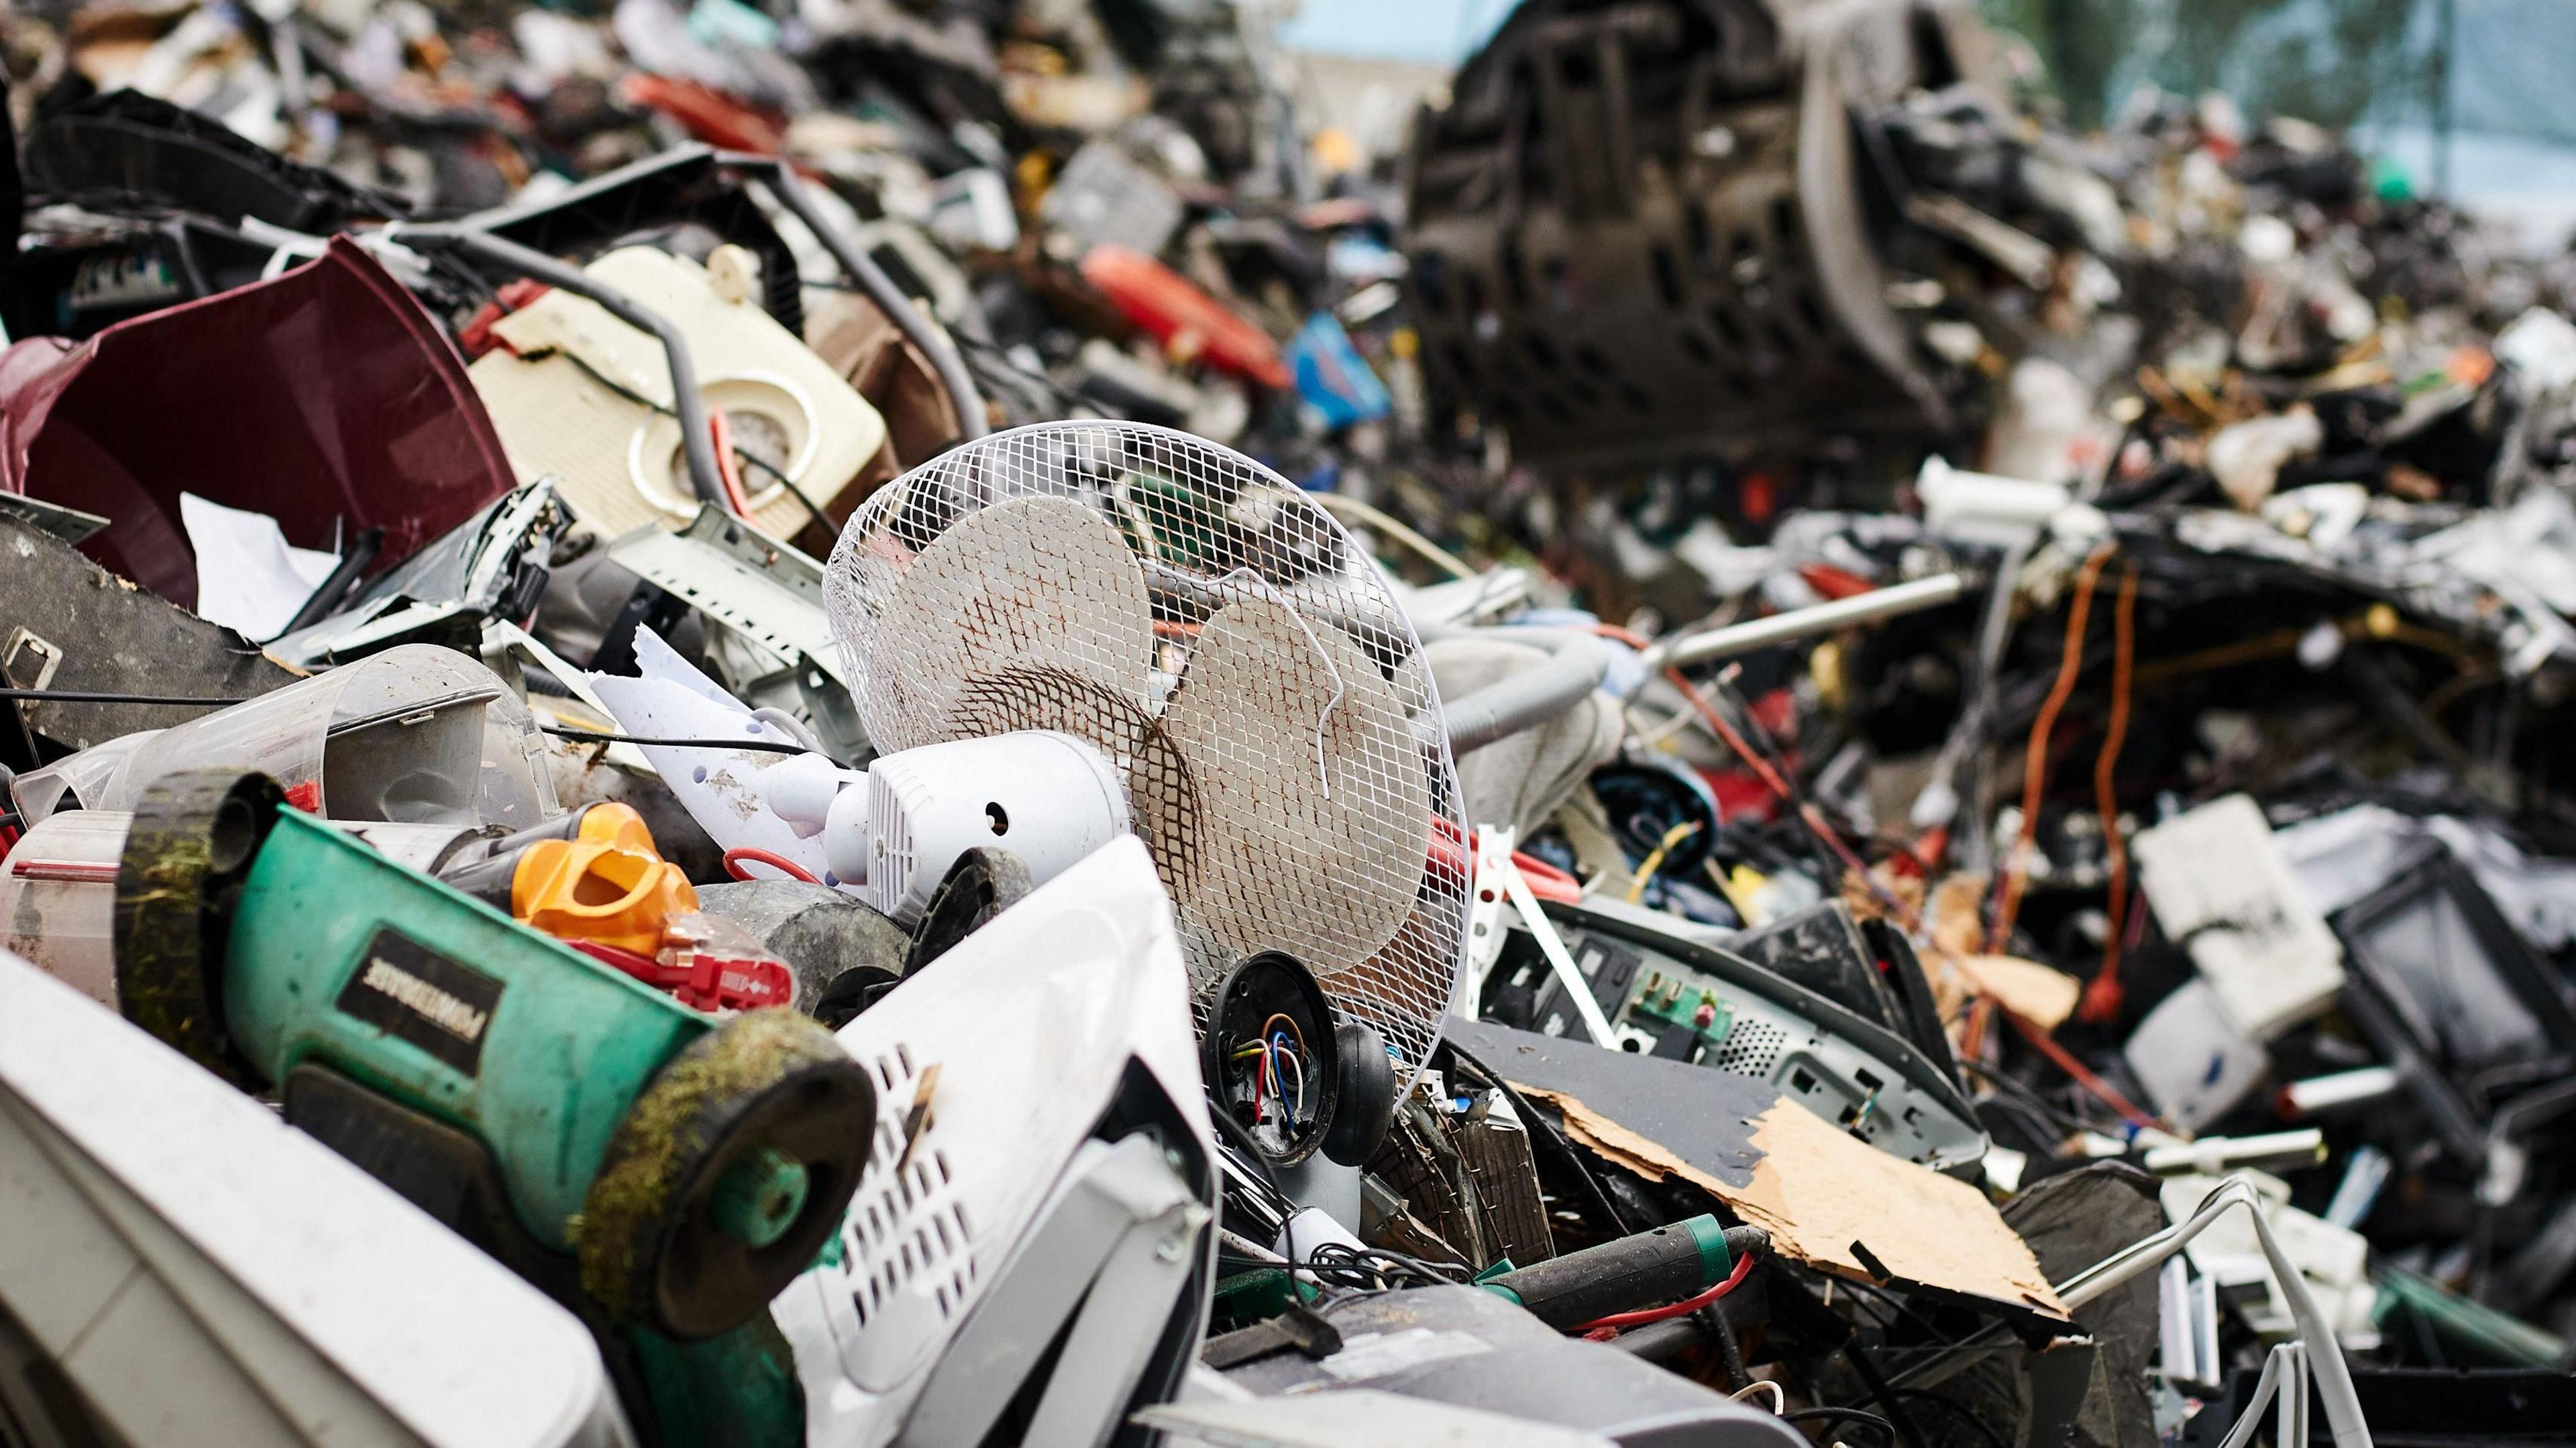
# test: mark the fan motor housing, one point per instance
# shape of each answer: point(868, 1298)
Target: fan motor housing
point(1047, 797)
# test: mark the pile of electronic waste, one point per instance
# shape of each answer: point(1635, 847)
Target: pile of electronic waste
point(902, 723)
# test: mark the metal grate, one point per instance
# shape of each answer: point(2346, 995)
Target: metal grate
point(1751, 1048)
point(1211, 630)
point(890, 826)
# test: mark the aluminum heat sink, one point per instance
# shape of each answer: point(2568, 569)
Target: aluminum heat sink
point(1215, 634)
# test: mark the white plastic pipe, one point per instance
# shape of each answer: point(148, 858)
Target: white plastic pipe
point(1799, 623)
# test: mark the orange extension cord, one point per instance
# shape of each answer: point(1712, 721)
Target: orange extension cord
point(2101, 1002)
point(2035, 757)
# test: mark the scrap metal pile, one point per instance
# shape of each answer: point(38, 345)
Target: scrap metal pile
point(918, 722)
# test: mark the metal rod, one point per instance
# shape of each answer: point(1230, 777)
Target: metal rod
point(697, 442)
point(881, 289)
point(1798, 623)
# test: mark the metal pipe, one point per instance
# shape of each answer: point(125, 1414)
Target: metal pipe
point(697, 442)
point(2358, 1087)
point(862, 269)
point(1798, 623)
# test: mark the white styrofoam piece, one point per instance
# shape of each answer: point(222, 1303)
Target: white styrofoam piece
point(2219, 883)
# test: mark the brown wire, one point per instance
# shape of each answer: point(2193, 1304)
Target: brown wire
point(1771, 778)
point(2102, 1091)
point(2035, 757)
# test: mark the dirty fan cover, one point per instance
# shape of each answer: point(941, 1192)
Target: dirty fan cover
point(1216, 635)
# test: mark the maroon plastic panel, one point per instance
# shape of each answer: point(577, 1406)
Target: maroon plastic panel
point(325, 395)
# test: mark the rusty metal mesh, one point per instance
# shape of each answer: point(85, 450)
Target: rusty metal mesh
point(1214, 633)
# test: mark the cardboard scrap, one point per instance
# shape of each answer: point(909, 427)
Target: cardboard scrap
point(2036, 993)
point(1837, 1204)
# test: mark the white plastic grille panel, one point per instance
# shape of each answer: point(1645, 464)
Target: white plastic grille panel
point(905, 1223)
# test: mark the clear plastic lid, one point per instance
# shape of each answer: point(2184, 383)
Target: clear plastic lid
point(58, 898)
point(415, 735)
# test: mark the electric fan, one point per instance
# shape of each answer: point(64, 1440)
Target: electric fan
point(1216, 637)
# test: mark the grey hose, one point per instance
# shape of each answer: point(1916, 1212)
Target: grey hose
point(1530, 698)
point(881, 289)
point(697, 443)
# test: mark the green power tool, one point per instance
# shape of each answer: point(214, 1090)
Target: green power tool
point(669, 1170)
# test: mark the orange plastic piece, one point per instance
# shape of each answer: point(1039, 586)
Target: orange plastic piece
point(1187, 321)
point(707, 114)
point(608, 885)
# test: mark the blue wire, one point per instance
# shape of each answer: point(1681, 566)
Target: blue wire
point(1279, 1044)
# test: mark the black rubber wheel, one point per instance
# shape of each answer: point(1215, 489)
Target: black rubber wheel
point(982, 884)
point(652, 1247)
point(194, 838)
point(851, 993)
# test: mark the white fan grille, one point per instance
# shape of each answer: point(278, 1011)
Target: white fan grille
point(1214, 632)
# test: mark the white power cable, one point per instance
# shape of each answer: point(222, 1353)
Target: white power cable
point(1780, 1400)
point(2321, 1354)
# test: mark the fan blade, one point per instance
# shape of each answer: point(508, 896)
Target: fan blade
point(1028, 585)
point(1315, 801)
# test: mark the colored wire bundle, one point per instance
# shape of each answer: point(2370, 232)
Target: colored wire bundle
point(1773, 780)
point(1375, 1269)
point(1655, 861)
point(1278, 1062)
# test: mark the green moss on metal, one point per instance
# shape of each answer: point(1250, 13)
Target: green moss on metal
point(665, 1138)
point(161, 950)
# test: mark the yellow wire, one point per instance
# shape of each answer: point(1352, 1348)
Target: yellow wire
point(1377, 518)
point(1655, 861)
point(1726, 887)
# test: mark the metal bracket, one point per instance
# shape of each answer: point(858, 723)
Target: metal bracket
point(1485, 932)
point(1559, 959)
point(24, 641)
point(756, 585)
